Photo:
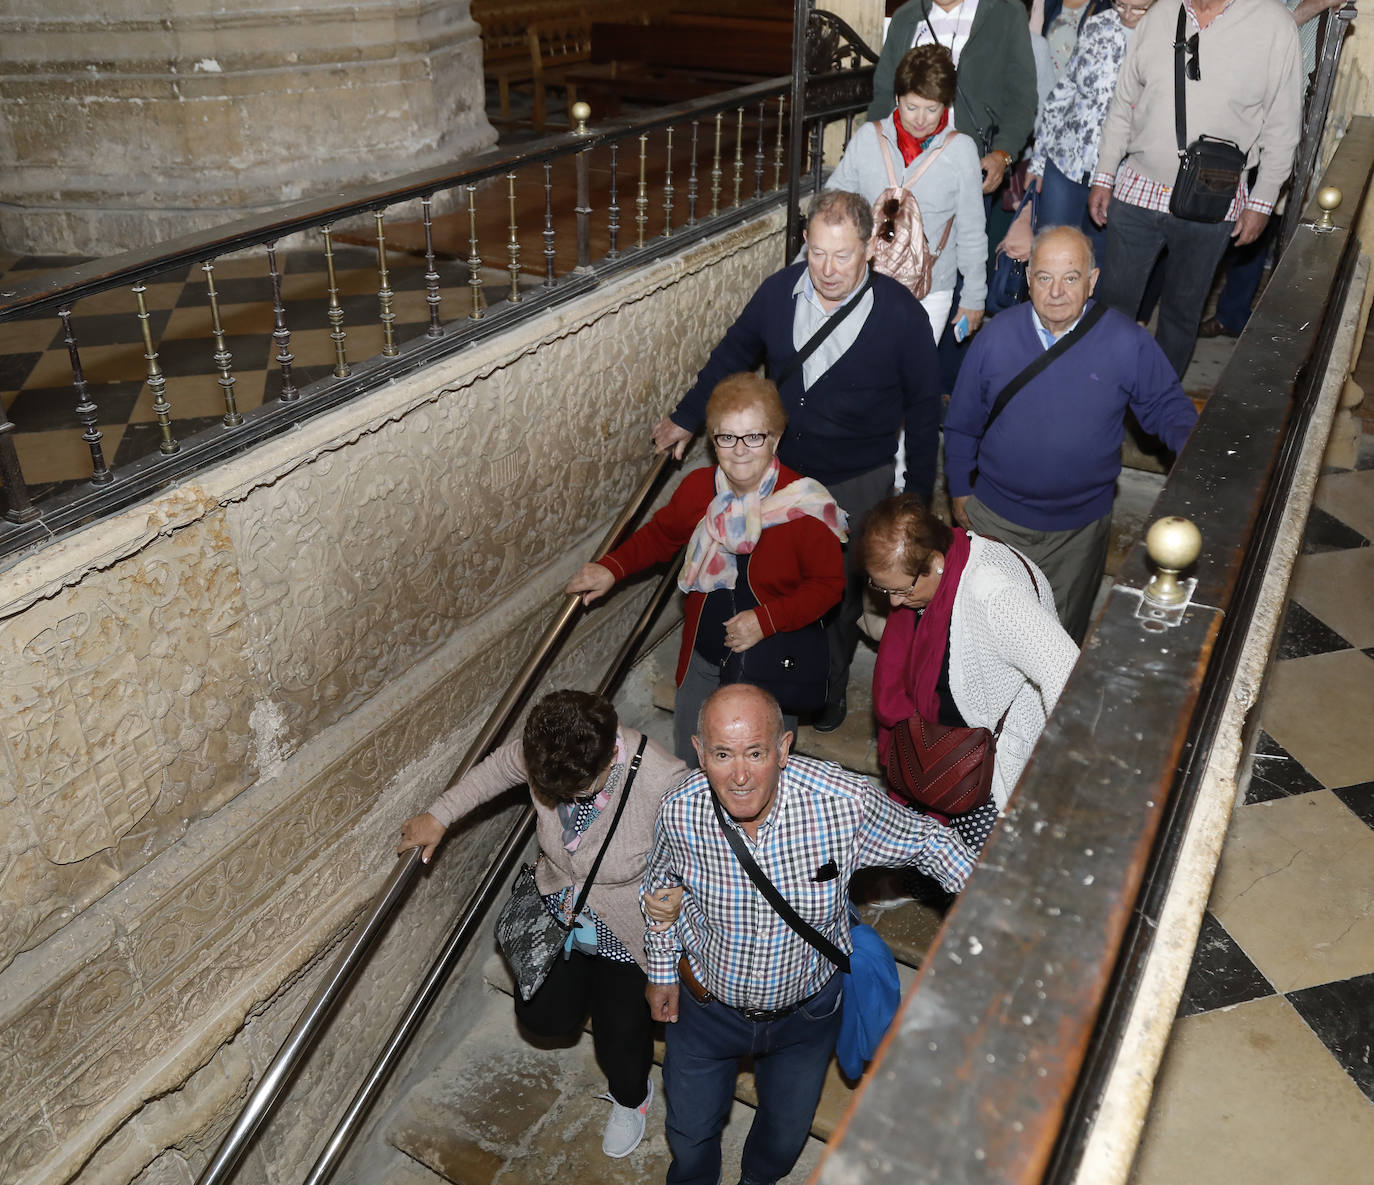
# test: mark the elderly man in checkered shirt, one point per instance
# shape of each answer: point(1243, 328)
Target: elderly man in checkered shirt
point(753, 985)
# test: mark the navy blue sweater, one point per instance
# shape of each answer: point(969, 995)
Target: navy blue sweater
point(1051, 460)
point(847, 423)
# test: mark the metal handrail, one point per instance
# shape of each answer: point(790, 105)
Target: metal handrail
point(317, 1011)
point(466, 927)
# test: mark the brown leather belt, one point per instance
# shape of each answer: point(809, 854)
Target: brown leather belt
point(698, 992)
point(694, 986)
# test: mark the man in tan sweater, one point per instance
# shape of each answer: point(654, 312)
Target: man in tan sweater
point(1243, 83)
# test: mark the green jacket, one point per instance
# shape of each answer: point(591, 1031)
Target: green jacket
point(996, 72)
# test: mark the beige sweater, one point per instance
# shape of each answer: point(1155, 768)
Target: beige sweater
point(1250, 92)
point(615, 895)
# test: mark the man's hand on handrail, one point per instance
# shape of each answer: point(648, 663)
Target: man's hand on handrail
point(423, 832)
point(591, 581)
point(668, 435)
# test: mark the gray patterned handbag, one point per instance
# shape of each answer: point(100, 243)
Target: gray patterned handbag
point(529, 935)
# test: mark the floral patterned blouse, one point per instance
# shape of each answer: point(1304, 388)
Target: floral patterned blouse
point(1070, 121)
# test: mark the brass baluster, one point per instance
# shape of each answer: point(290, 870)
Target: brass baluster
point(692, 178)
point(281, 335)
point(384, 293)
point(432, 297)
point(86, 410)
point(157, 383)
point(336, 315)
point(223, 358)
point(513, 246)
point(777, 151)
point(613, 210)
point(758, 155)
point(19, 507)
point(583, 210)
point(739, 155)
point(715, 172)
point(474, 260)
point(550, 253)
point(642, 201)
point(668, 188)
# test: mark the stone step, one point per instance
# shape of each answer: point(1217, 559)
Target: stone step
point(499, 1111)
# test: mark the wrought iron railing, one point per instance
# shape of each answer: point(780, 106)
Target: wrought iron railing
point(642, 188)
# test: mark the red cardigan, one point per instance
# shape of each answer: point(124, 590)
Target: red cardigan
point(796, 572)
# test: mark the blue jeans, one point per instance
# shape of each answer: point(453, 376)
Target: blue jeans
point(1135, 238)
point(701, 1063)
point(1065, 203)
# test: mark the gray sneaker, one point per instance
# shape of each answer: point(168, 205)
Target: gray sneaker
point(625, 1127)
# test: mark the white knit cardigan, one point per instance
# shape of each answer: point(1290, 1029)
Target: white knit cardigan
point(1006, 646)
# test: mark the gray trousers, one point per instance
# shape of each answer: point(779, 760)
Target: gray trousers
point(856, 496)
point(701, 679)
point(1073, 561)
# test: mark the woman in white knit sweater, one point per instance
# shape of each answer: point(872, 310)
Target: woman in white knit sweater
point(972, 639)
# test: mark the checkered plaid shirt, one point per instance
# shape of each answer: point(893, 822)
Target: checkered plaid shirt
point(825, 823)
point(1137, 190)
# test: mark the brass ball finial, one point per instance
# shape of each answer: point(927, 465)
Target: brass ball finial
point(1328, 198)
point(581, 112)
point(1173, 544)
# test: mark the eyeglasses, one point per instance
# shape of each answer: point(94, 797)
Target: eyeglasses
point(1132, 9)
point(893, 592)
point(888, 230)
point(1194, 66)
point(748, 439)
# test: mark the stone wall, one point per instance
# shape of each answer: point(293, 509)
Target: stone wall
point(216, 708)
point(127, 122)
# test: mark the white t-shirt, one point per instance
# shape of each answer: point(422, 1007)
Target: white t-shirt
point(951, 28)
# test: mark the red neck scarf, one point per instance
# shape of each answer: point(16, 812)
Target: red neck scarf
point(908, 145)
point(912, 651)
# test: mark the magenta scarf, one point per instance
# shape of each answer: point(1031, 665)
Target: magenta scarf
point(912, 650)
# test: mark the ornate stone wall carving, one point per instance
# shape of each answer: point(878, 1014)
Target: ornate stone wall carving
point(348, 609)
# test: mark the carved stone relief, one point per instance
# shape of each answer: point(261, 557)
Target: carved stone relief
point(125, 718)
point(122, 715)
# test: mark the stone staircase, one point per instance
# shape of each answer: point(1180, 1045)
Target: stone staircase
point(500, 1109)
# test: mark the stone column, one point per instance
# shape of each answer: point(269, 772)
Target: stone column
point(126, 122)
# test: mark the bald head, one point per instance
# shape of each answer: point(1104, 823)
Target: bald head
point(1062, 275)
point(742, 747)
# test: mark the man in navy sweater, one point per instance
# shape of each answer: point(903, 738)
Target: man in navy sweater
point(874, 375)
point(1043, 478)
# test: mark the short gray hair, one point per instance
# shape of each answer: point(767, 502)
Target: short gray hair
point(774, 710)
point(1071, 232)
point(835, 206)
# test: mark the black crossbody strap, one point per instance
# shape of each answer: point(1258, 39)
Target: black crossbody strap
point(1076, 334)
point(774, 898)
point(615, 822)
point(813, 343)
point(1180, 106)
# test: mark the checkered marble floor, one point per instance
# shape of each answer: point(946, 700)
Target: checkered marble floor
point(36, 375)
point(1269, 1073)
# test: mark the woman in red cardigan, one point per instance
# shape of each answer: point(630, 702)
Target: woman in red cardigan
point(763, 563)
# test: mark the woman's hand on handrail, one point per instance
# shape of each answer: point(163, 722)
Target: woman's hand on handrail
point(662, 907)
point(668, 435)
point(743, 630)
point(591, 581)
point(423, 832)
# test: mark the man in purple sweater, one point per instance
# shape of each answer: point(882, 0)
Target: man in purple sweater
point(874, 375)
point(1042, 477)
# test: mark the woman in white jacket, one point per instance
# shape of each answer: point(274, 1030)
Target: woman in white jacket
point(972, 639)
point(949, 191)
